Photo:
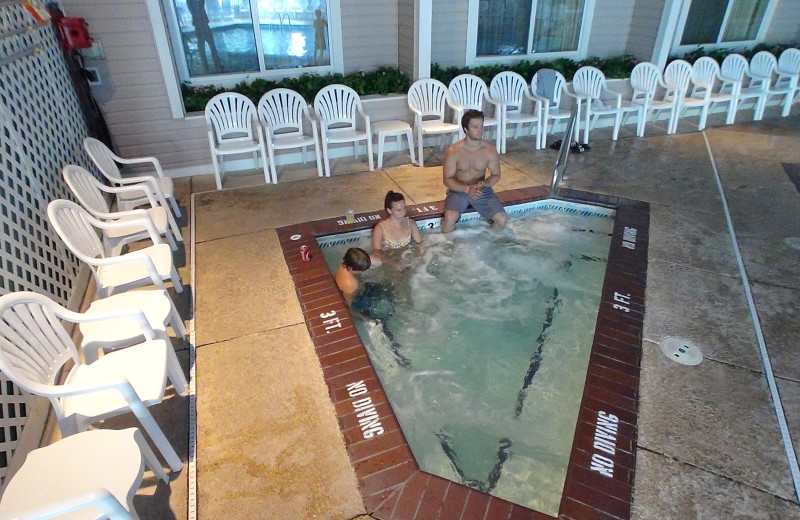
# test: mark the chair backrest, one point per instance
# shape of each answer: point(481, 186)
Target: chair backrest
point(645, 80)
point(509, 87)
point(428, 97)
point(33, 343)
point(677, 75)
point(763, 65)
point(231, 113)
point(549, 84)
point(734, 67)
point(281, 110)
point(103, 158)
point(588, 82)
point(75, 227)
point(789, 61)
point(337, 104)
point(468, 91)
point(86, 189)
point(705, 72)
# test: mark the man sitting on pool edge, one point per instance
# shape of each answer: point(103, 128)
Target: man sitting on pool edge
point(464, 176)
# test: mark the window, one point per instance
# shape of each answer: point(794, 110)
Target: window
point(521, 28)
point(215, 39)
point(723, 21)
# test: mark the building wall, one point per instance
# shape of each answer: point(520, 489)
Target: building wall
point(406, 48)
point(785, 24)
point(369, 34)
point(645, 23)
point(449, 38)
point(610, 27)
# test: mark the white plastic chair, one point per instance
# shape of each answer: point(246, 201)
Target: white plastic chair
point(338, 108)
point(763, 67)
point(428, 98)
point(233, 129)
point(89, 475)
point(78, 230)
point(283, 112)
point(89, 192)
point(35, 347)
point(469, 92)
point(589, 85)
point(733, 73)
point(107, 161)
point(514, 93)
point(788, 71)
point(705, 74)
point(646, 81)
point(550, 86)
point(678, 77)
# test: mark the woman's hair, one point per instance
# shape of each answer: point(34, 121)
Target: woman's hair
point(391, 198)
point(357, 258)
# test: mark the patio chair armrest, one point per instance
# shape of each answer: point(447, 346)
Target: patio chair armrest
point(98, 498)
point(130, 313)
point(132, 188)
point(135, 256)
point(143, 160)
point(492, 101)
point(145, 222)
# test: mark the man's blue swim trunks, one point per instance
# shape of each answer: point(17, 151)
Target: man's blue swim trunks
point(487, 205)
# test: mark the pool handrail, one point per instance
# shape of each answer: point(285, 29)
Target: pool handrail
point(563, 152)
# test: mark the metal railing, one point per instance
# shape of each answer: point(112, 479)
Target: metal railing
point(563, 151)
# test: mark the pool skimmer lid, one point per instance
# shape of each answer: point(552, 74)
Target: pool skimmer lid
point(681, 351)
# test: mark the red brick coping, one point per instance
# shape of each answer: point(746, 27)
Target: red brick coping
point(599, 478)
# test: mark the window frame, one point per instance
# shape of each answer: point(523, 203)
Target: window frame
point(678, 48)
point(472, 58)
point(164, 22)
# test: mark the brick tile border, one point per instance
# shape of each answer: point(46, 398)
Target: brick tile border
point(601, 467)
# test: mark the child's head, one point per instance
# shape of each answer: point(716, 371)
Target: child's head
point(391, 198)
point(357, 259)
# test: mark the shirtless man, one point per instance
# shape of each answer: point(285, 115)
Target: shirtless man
point(464, 172)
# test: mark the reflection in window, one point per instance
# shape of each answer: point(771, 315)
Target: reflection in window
point(219, 36)
point(706, 21)
point(504, 26)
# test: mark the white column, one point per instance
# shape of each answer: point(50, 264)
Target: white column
point(666, 32)
point(423, 25)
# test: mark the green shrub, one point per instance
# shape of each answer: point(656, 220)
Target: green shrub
point(720, 54)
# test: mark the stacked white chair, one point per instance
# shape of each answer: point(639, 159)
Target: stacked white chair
point(159, 184)
point(89, 475)
point(678, 77)
point(705, 75)
point(469, 92)
point(338, 108)
point(233, 129)
point(89, 192)
point(762, 72)
point(428, 99)
point(285, 115)
point(35, 349)
point(78, 230)
point(589, 85)
point(646, 82)
point(788, 71)
point(519, 106)
point(735, 74)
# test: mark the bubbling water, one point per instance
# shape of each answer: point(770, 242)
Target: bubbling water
point(484, 353)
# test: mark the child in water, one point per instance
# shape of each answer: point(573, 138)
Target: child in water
point(355, 260)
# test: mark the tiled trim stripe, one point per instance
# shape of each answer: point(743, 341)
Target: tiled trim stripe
point(392, 485)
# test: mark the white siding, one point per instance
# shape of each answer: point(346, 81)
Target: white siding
point(449, 38)
point(609, 31)
point(406, 45)
point(369, 34)
point(785, 25)
point(644, 28)
point(133, 94)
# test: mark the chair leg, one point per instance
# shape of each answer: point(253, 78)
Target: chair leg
point(175, 320)
point(617, 124)
point(149, 457)
point(173, 224)
point(410, 139)
point(787, 105)
point(171, 240)
point(381, 137)
point(641, 118)
point(586, 123)
point(272, 168)
point(419, 148)
point(731, 115)
point(176, 280)
point(320, 173)
point(369, 152)
point(157, 436)
point(325, 157)
point(703, 117)
point(175, 208)
point(217, 173)
point(175, 372)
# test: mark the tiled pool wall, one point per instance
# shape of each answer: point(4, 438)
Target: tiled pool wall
point(601, 467)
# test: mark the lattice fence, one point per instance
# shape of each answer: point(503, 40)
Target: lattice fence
point(41, 129)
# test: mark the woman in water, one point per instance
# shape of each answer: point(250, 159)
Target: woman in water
point(397, 231)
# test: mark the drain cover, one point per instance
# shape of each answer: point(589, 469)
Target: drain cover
point(681, 351)
point(793, 242)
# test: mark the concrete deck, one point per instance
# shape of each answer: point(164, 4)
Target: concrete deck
point(709, 445)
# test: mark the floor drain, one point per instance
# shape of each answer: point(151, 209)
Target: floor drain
point(793, 242)
point(681, 351)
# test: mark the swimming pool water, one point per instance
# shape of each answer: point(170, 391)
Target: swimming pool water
point(481, 342)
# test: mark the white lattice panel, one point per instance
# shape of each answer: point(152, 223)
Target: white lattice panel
point(41, 129)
